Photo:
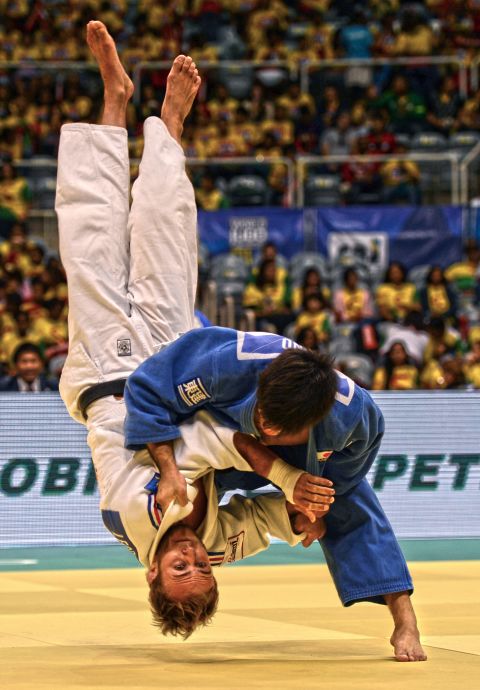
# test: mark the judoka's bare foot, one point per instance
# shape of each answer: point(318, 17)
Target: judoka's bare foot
point(118, 88)
point(406, 638)
point(406, 645)
point(183, 83)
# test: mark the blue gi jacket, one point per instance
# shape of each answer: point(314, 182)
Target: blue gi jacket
point(218, 368)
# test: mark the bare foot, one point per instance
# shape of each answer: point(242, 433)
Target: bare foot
point(117, 84)
point(406, 645)
point(183, 83)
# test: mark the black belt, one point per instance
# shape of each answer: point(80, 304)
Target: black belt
point(100, 390)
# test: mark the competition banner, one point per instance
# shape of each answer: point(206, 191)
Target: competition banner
point(427, 474)
point(413, 235)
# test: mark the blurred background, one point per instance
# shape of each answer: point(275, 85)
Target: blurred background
point(334, 149)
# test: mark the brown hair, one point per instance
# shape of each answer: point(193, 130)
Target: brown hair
point(297, 389)
point(181, 617)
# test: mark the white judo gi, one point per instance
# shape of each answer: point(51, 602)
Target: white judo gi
point(131, 280)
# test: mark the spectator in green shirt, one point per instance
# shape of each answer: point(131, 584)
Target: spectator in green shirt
point(407, 109)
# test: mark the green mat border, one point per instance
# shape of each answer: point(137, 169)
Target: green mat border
point(115, 556)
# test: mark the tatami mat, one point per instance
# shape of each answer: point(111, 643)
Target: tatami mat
point(277, 627)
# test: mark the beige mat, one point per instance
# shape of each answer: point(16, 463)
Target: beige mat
point(277, 627)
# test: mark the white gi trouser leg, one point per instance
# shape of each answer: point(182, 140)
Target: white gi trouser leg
point(163, 237)
point(131, 277)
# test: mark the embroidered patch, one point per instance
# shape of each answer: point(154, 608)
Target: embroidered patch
point(323, 455)
point(234, 550)
point(124, 347)
point(193, 392)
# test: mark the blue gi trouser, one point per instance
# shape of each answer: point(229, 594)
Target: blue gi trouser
point(361, 550)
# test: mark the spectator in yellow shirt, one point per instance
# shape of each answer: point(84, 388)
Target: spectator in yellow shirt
point(15, 194)
point(227, 144)
point(464, 274)
point(319, 35)
point(23, 333)
point(398, 373)
point(472, 365)
point(15, 252)
point(244, 129)
point(443, 340)
point(395, 297)
point(416, 37)
point(315, 315)
point(280, 126)
point(294, 100)
point(269, 297)
point(223, 106)
point(52, 329)
point(312, 284)
point(436, 298)
point(400, 180)
point(352, 303)
point(209, 197)
point(269, 252)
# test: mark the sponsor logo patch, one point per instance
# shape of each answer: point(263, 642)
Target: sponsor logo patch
point(193, 392)
point(124, 347)
point(234, 550)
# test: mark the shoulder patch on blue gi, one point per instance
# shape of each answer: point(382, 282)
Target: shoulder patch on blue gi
point(193, 392)
point(234, 550)
point(113, 522)
point(256, 345)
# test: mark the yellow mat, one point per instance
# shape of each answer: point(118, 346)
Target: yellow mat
point(277, 627)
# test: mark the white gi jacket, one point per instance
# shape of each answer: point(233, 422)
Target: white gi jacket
point(128, 484)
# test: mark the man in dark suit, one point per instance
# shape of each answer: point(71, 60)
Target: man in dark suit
point(30, 376)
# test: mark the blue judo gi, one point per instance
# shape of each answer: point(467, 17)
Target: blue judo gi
point(218, 369)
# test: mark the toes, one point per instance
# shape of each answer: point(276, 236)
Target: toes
point(97, 25)
point(186, 64)
point(178, 62)
point(192, 69)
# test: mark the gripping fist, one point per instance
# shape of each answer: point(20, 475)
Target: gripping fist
point(312, 496)
point(171, 487)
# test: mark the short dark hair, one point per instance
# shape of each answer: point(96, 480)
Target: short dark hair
point(181, 617)
point(297, 389)
point(26, 348)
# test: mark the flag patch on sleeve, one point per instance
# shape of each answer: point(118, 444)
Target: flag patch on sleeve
point(323, 455)
point(193, 392)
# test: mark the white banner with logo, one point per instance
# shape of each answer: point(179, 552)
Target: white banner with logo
point(427, 475)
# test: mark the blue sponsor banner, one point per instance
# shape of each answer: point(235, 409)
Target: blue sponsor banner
point(413, 234)
point(245, 230)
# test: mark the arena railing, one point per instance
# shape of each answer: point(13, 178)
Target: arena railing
point(475, 73)
point(212, 65)
point(259, 162)
point(297, 171)
point(304, 162)
point(469, 175)
point(419, 61)
point(301, 69)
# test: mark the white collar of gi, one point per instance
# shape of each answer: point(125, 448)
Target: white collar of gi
point(174, 513)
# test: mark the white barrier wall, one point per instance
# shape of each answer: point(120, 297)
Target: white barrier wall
point(427, 474)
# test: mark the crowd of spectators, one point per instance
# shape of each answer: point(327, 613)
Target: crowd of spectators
point(412, 335)
point(258, 111)
point(33, 314)
point(405, 335)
